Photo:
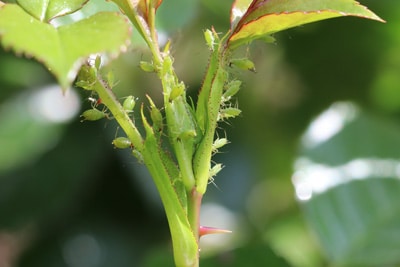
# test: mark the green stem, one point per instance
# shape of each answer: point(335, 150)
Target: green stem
point(194, 204)
point(163, 170)
point(121, 116)
point(207, 111)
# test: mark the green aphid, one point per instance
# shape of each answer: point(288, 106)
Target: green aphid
point(111, 79)
point(176, 91)
point(129, 103)
point(213, 172)
point(137, 155)
point(155, 115)
point(157, 118)
point(186, 135)
point(94, 115)
point(122, 143)
point(210, 40)
point(86, 77)
point(229, 112)
point(147, 66)
point(231, 89)
point(218, 143)
point(243, 63)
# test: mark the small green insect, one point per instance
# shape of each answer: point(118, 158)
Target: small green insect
point(176, 91)
point(186, 135)
point(147, 66)
point(129, 104)
point(137, 155)
point(218, 143)
point(213, 172)
point(122, 143)
point(111, 79)
point(210, 40)
point(243, 63)
point(155, 115)
point(231, 89)
point(86, 77)
point(94, 114)
point(227, 113)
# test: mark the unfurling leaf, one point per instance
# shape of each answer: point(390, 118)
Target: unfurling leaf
point(260, 18)
point(64, 49)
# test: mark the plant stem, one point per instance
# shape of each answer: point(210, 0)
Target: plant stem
point(121, 116)
point(194, 204)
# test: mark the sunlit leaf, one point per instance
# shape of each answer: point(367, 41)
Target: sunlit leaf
point(266, 17)
point(63, 50)
point(357, 223)
point(46, 10)
point(366, 136)
point(350, 187)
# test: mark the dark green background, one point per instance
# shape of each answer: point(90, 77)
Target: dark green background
point(72, 192)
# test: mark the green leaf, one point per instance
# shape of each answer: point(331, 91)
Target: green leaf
point(49, 9)
point(357, 223)
point(366, 136)
point(352, 188)
point(263, 18)
point(64, 49)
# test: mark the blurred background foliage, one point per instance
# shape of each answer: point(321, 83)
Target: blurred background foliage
point(311, 175)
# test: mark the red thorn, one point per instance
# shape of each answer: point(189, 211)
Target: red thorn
point(205, 230)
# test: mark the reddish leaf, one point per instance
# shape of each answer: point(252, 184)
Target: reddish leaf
point(264, 17)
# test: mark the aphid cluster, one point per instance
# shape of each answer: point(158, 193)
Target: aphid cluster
point(90, 77)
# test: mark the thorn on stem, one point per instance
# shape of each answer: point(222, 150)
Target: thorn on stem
point(205, 230)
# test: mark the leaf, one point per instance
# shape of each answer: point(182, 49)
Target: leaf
point(49, 9)
point(263, 18)
point(352, 188)
point(63, 50)
point(366, 136)
point(357, 223)
point(238, 9)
